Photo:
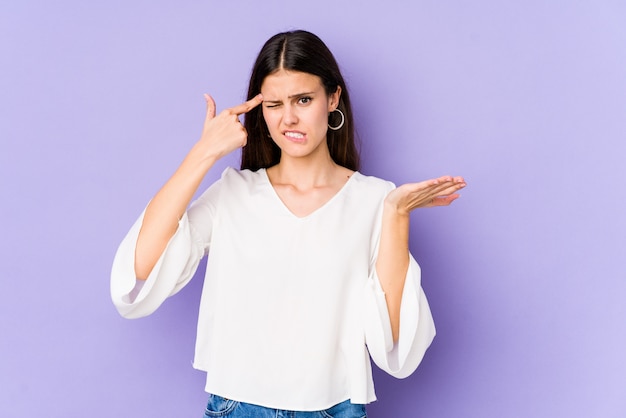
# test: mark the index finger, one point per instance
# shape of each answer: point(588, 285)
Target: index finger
point(247, 106)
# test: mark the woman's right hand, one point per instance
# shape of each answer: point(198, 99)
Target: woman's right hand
point(224, 133)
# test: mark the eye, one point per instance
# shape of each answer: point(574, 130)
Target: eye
point(272, 105)
point(304, 100)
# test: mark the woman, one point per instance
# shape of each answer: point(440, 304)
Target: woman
point(308, 266)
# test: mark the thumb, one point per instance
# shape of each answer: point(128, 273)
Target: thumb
point(210, 106)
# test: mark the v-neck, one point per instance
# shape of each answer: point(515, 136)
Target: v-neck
point(328, 202)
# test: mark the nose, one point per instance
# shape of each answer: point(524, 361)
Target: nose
point(289, 116)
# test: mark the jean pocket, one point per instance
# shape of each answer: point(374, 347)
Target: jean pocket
point(345, 410)
point(219, 406)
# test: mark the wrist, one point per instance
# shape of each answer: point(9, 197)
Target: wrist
point(201, 157)
point(394, 209)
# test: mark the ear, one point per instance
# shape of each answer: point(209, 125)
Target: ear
point(333, 99)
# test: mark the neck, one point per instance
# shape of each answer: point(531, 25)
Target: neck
point(305, 172)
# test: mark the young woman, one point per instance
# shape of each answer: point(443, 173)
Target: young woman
point(308, 271)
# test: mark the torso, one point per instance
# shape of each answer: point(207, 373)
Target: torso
point(283, 294)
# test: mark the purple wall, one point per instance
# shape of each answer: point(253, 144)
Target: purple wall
point(99, 101)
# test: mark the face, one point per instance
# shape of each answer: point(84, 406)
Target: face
point(296, 108)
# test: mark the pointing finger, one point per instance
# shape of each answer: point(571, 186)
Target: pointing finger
point(247, 106)
point(210, 106)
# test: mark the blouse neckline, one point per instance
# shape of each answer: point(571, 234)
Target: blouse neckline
point(282, 204)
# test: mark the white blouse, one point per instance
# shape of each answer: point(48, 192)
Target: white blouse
point(290, 306)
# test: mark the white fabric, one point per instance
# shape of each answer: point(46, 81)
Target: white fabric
point(290, 306)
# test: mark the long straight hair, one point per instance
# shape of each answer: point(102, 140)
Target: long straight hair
point(304, 52)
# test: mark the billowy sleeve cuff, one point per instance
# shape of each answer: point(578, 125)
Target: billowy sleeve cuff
point(417, 328)
point(135, 298)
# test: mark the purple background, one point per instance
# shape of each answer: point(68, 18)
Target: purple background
point(525, 274)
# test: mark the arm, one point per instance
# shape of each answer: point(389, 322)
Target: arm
point(393, 253)
point(221, 135)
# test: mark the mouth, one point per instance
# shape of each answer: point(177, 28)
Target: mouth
point(294, 136)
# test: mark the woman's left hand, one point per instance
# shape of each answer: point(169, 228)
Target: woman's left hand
point(435, 192)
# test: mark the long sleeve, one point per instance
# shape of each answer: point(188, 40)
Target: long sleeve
point(172, 271)
point(176, 266)
point(417, 328)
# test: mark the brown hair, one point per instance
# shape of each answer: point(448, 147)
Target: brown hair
point(304, 52)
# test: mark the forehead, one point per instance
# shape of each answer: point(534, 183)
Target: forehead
point(285, 82)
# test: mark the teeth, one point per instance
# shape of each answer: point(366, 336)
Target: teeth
point(296, 135)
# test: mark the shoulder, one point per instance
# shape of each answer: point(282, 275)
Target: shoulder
point(242, 178)
point(241, 185)
point(372, 184)
point(233, 184)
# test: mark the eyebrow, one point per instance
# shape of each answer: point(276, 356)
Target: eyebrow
point(291, 96)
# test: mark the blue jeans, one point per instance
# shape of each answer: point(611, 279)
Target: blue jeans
point(227, 408)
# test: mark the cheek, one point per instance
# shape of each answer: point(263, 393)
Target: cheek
point(321, 117)
point(270, 119)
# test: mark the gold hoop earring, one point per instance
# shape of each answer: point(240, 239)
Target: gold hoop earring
point(343, 119)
